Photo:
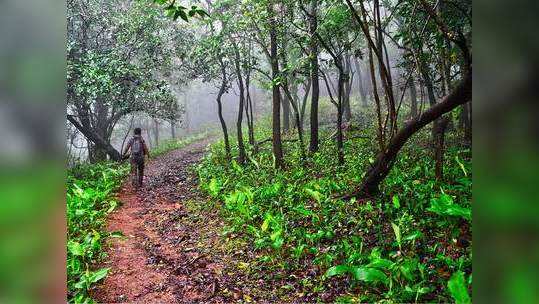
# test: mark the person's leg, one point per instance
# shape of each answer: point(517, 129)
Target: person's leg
point(133, 174)
point(140, 174)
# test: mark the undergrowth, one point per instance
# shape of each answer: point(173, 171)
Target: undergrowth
point(411, 243)
point(89, 199)
point(90, 191)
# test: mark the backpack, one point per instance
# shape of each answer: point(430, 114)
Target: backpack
point(137, 149)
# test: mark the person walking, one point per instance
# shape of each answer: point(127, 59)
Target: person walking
point(138, 148)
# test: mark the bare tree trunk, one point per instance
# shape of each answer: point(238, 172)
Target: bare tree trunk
point(276, 113)
point(96, 139)
point(156, 131)
point(340, 145)
point(313, 25)
point(298, 121)
point(307, 89)
point(173, 129)
point(222, 91)
point(249, 110)
point(361, 88)
point(439, 149)
point(347, 111)
point(413, 98)
point(239, 131)
point(286, 113)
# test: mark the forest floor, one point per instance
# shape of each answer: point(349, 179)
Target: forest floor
point(171, 250)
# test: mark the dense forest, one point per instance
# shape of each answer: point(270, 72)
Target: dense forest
point(300, 151)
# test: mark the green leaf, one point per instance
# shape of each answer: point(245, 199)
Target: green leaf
point(367, 274)
point(458, 289)
point(396, 202)
point(75, 248)
point(445, 206)
point(381, 263)
point(98, 275)
point(337, 270)
point(265, 224)
point(397, 232)
point(317, 196)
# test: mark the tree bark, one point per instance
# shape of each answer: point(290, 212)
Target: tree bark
point(173, 129)
point(413, 98)
point(156, 131)
point(222, 91)
point(239, 131)
point(386, 158)
point(286, 112)
point(439, 147)
point(96, 139)
point(361, 88)
point(276, 102)
point(313, 25)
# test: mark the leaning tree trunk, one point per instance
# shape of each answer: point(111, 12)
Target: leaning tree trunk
point(96, 139)
point(385, 159)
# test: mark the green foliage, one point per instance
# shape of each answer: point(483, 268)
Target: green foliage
point(89, 199)
point(292, 216)
point(445, 206)
point(458, 288)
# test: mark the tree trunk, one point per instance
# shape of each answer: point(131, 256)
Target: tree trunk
point(413, 98)
point(347, 86)
point(340, 146)
point(173, 129)
point(96, 139)
point(249, 110)
point(298, 121)
point(156, 131)
point(439, 147)
point(386, 158)
point(286, 113)
point(222, 91)
point(239, 131)
point(361, 88)
point(313, 25)
point(276, 103)
point(307, 89)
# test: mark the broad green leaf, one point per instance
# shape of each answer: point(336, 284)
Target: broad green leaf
point(265, 224)
point(98, 275)
point(367, 274)
point(445, 206)
point(396, 202)
point(457, 288)
point(397, 232)
point(337, 270)
point(75, 248)
point(381, 263)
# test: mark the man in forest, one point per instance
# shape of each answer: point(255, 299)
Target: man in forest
point(138, 151)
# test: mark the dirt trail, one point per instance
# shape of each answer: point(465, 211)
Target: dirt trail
point(168, 254)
